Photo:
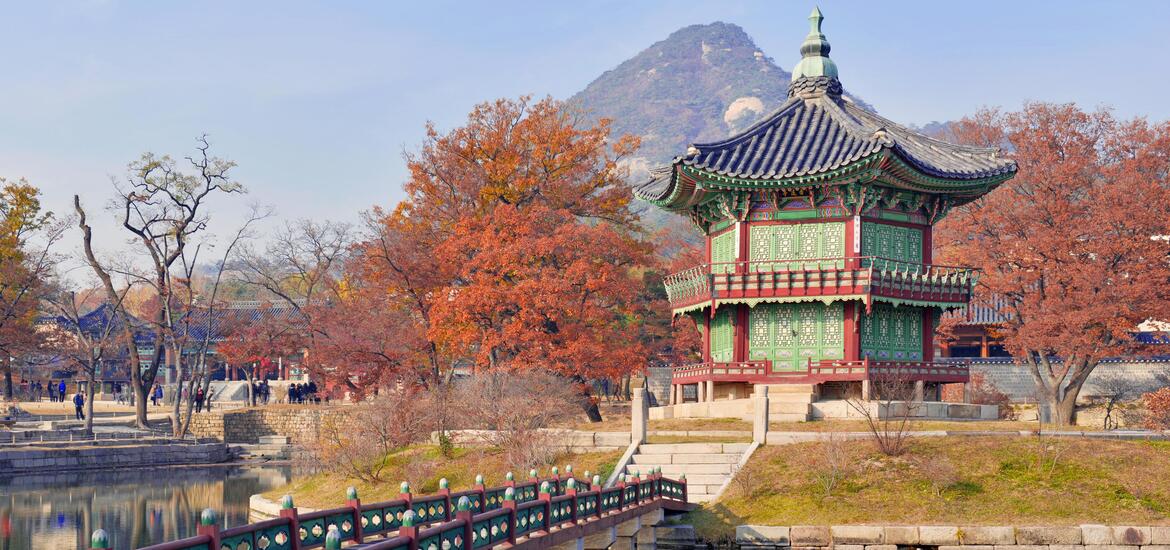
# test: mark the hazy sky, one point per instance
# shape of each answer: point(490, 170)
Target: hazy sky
point(317, 101)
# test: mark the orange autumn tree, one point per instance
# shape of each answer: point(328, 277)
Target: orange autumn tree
point(1075, 245)
point(537, 289)
point(496, 210)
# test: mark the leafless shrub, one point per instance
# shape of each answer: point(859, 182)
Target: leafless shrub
point(828, 465)
point(892, 391)
point(939, 471)
point(746, 479)
point(1112, 390)
point(985, 392)
point(516, 411)
point(359, 441)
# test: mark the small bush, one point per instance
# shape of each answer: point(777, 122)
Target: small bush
point(359, 443)
point(985, 392)
point(1157, 405)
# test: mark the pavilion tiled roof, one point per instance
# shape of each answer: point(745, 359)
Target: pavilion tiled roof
point(818, 130)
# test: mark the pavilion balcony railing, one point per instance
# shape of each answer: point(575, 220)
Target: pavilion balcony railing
point(863, 275)
point(827, 370)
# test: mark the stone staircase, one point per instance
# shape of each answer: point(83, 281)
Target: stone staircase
point(707, 465)
point(790, 402)
point(269, 447)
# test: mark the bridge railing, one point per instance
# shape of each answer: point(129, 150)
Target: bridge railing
point(432, 522)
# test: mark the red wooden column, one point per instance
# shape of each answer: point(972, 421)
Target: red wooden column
point(928, 315)
point(739, 323)
point(853, 309)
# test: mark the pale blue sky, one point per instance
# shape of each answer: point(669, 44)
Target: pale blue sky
point(317, 101)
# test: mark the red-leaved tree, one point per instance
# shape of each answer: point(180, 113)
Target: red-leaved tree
point(1075, 245)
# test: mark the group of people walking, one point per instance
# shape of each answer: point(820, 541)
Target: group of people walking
point(55, 391)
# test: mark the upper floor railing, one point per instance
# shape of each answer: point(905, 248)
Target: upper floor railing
point(825, 370)
point(480, 518)
point(864, 275)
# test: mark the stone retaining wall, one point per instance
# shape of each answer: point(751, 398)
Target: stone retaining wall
point(300, 424)
point(22, 460)
point(872, 537)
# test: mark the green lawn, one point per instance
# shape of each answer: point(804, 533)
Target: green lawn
point(949, 481)
point(423, 466)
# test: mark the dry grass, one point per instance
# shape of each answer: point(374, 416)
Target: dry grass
point(858, 425)
point(423, 466)
point(615, 423)
point(995, 480)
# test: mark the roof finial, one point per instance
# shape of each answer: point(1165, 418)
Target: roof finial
point(815, 51)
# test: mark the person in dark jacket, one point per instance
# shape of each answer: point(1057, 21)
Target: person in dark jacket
point(78, 405)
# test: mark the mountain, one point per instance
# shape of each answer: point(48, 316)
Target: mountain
point(702, 83)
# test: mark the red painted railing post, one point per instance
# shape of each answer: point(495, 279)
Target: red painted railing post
point(682, 478)
point(597, 487)
point(355, 504)
point(288, 510)
point(483, 503)
point(463, 513)
point(209, 526)
point(556, 481)
point(546, 499)
point(533, 477)
point(510, 505)
point(621, 485)
point(410, 530)
point(445, 491)
point(571, 490)
point(404, 494)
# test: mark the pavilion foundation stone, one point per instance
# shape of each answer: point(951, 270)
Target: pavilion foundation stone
point(938, 537)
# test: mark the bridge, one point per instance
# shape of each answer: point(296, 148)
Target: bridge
point(554, 512)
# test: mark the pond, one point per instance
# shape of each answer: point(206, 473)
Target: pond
point(136, 507)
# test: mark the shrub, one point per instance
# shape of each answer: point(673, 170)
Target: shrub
point(985, 392)
point(360, 442)
point(1157, 405)
point(516, 410)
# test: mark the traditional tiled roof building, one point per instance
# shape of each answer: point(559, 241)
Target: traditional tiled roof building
point(818, 228)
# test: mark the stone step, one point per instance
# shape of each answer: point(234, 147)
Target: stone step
point(781, 407)
point(706, 480)
point(774, 389)
point(699, 499)
point(723, 458)
point(272, 440)
point(697, 458)
point(690, 448)
point(674, 470)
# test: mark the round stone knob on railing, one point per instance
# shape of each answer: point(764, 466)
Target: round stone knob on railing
point(208, 517)
point(571, 484)
point(479, 479)
point(404, 488)
point(544, 488)
point(99, 540)
point(555, 471)
point(351, 493)
point(286, 502)
point(532, 473)
point(596, 482)
point(408, 517)
point(463, 505)
point(509, 494)
point(509, 477)
point(333, 538)
point(587, 476)
point(569, 469)
point(444, 484)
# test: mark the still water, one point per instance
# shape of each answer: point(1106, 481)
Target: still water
point(136, 507)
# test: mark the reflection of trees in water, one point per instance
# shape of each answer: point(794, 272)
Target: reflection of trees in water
point(137, 507)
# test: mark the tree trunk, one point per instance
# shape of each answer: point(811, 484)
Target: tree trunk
point(89, 401)
point(8, 392)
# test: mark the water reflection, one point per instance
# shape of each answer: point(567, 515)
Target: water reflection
point(136, 507)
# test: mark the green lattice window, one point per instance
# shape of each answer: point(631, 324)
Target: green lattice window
point(722, 252)
point(891, 242)
point(723, 335)
point(791, 334)
point(892, 333)
point(769, 243)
